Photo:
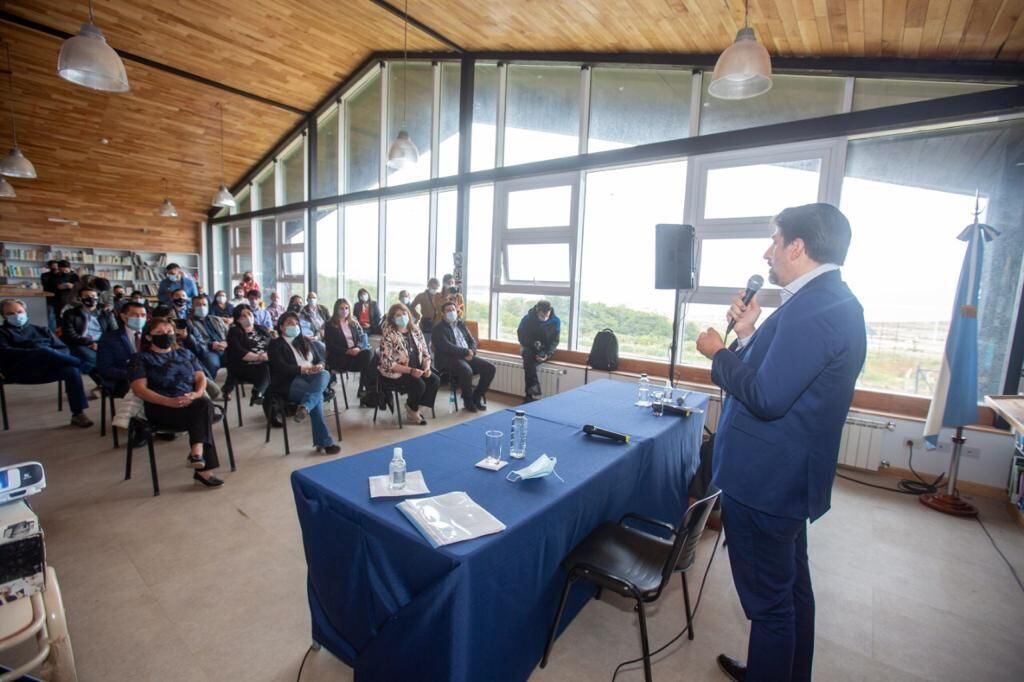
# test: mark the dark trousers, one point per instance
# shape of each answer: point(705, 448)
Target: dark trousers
point(354, 363)
point(462, 372)
point(87, 356)
point(530, 365)
point(44, 373)
point(255, 373)
point(210, 360)
point(196, 418)
point(419, 391)
point(768, 555)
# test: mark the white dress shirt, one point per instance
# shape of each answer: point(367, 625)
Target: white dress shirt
point(787, 292)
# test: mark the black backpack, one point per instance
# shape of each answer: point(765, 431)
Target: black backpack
point(604, 353)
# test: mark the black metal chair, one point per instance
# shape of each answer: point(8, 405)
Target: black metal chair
point(138, 425)
point(281, 405)
point(106, 396)
point(3, 398)
point(392, 389)
point(636, 564)
point(239, 391)
point(446, 377)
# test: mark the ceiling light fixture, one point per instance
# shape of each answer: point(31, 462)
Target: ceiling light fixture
point(87, 60)
point(167, 209)
point(223, 197)
point(744, 69)
point(15, 164)
point(403, 152)
point(6, 189)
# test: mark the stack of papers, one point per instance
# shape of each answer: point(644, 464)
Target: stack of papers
point(414, 485)
point(449, 518)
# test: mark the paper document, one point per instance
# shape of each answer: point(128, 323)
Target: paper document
point(414, 485)
point(449, 518)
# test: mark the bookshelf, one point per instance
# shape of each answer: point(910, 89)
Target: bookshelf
point(1011, 408)
point(22, 264)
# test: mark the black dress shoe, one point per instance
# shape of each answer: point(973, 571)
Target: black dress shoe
point(469, 406)
point(329, 395)
point(732, 668)
point(211, 482)
point(255, 398)
point(479, 402)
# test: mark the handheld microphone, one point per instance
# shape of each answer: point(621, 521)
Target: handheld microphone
point(754, 285)
point(592, 430)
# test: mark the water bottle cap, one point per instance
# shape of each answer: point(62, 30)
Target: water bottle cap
point(520, 413)
point(398, 453)
point(643, 376)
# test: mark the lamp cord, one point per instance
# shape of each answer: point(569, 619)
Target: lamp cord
point(90, 12)
point(221, 107)
point(10, 92)
point(405, 63)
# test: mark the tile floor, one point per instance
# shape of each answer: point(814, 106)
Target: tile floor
point(210, 585)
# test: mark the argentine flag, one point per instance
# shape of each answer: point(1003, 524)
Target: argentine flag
point(955, 402)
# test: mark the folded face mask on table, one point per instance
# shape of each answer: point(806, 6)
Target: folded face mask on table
point(541, 467)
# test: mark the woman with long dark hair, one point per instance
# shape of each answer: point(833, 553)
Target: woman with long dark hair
point(366, 312)
point(348, 349)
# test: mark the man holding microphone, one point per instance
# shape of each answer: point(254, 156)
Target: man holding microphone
point(788, 385)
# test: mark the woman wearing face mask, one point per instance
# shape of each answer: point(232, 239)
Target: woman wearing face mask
point(239, 298)
point(313, 316)
point(367, 313)
point(247, 360)
point(405, 358)
point(248, 283)
point(220, 306)
point(297, 373)
point(348, 349)
point(171, 382)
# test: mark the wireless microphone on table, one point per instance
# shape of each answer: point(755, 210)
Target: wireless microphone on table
point(592, 430)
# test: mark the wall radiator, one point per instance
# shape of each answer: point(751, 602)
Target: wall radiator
point(508, 377)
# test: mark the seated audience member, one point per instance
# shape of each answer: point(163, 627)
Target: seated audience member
point(172, 384)
point(65, 282)
point(314, 315)
point(220, 306)
point(180, 305)
point(31, 354)
point(455, 351)
point(297, 373)
point(260, 314)
point(176, 279)
point(119, 297)
point(247, 360)
point(139, 297)
point(82, 325)
point(117, 347)
point(366, 312)
point(248, 283)
point(405, 359)
point(449, 292)
point(208, 335)
point(348, 349)
point(239, 298)
point(275, 308)
point(539, 332)
point(423, 306)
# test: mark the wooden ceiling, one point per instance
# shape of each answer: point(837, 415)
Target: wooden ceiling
point(296, 51)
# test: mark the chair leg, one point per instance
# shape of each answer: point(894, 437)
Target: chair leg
point(128, 451)
point(243, 389)
point(644, 643)
point(337, 419)
point(3, 407)
point(60, 396)
point(113, 413)
point(398, 408)
point(689, 611)
point(152, 464)
point(284, 421)
point(558, 616)
point(273, 405)
point(238, 404)
point(344, 393)
point(375, 408)
point(227, 440)
point(103, 415)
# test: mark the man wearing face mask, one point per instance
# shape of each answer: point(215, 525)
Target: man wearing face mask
point(538, 332)
point(82, 325)
point(179, 305)
point(49, 281)
point(423, 306)
point(455, 349)
point(314, 314)
point(275, 309)
point(116, 348)
point(176, 279)
point(208, 336)
point(119, 297)
point(260, 314)
point(30, 354)
point(64, 284)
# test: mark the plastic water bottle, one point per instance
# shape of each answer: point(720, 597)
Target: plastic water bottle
point(451, 402)
point(643, 392)
point(396, 471)
point(517, 437)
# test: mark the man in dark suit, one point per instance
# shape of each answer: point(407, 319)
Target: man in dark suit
point(456, 352)
point(83, 324)
point(117, 346)
point(789, 384)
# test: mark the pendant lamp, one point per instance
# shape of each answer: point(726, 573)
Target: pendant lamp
point(223, 197)
point(6, 189)
point(167, 209)
point(403, 152)
point(744, 69)
point(15, 164)
point(87, 60)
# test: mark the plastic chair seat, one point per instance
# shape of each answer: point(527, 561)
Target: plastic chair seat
point(614, 556)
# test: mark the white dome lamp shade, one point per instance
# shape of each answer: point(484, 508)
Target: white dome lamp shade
point(87, 60)
point(403, 152)
point(167, 209)
point(15, 164)
point(6, 189)
point(223, 197)
point(743, 70)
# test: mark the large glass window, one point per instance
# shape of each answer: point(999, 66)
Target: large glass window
point(362, 136)
point(291, 251)
point(327, 254)
point(622, 208)
point(447, 203)
point(293, 170)
point(408, 221)
point(761, 189)
point(542, 116)
point(266, 274)
point(327, 155)
point(360, 249)
point(241, 250)
point(871, 93)
point(410, 108)
point(448, 162)
point(512, 308)
point(908, 197)
point(637, 106)
point(266, 188)
point(485, 116)
point(478, 267)
point(243, 202)
point(791, 98)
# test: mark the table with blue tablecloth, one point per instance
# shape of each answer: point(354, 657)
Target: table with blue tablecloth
point(394, 608)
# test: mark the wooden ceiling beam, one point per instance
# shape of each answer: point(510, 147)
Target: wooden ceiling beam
point(413, 21)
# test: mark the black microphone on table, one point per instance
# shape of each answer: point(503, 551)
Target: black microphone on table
point(754, 285)
point(592, 430)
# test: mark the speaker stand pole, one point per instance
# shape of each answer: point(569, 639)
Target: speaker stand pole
point(675, 342)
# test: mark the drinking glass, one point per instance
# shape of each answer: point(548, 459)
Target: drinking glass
point(657, 402)
point(493, 442)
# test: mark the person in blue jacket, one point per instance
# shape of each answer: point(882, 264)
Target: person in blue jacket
point(117, 347)
point(789, 385)
point(174, 279)
point(538, 332)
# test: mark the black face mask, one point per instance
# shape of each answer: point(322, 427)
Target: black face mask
point(88, 302)
point(294, 308)
point(118, 297)
point(179, 303)
point(163, 341)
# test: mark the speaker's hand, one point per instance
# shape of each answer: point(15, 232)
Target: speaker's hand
point(709, 342)
point(744, 315)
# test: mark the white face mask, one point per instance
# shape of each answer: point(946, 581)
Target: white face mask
point(245, 321)
point(344, 313)
point(222, 299)
point(364, 298)
point(541, 467)
point(433, 290)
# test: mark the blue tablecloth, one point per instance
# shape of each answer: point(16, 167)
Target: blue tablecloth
point(394, 608)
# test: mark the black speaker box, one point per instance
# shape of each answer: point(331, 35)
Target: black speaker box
point(675, 255)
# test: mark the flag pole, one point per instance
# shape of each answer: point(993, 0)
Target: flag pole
point(949, 502)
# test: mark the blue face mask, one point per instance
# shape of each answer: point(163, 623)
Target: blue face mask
point(136, 323)
point(451, 316)
point(401, 321)
point(173, 278)
point(291, 331)
point(200, 312)
point(17, 319)
point(541, 467)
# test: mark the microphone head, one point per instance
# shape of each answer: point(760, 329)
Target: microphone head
point(755, 283)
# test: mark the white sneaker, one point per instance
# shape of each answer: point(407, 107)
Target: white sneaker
point(413, 417)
